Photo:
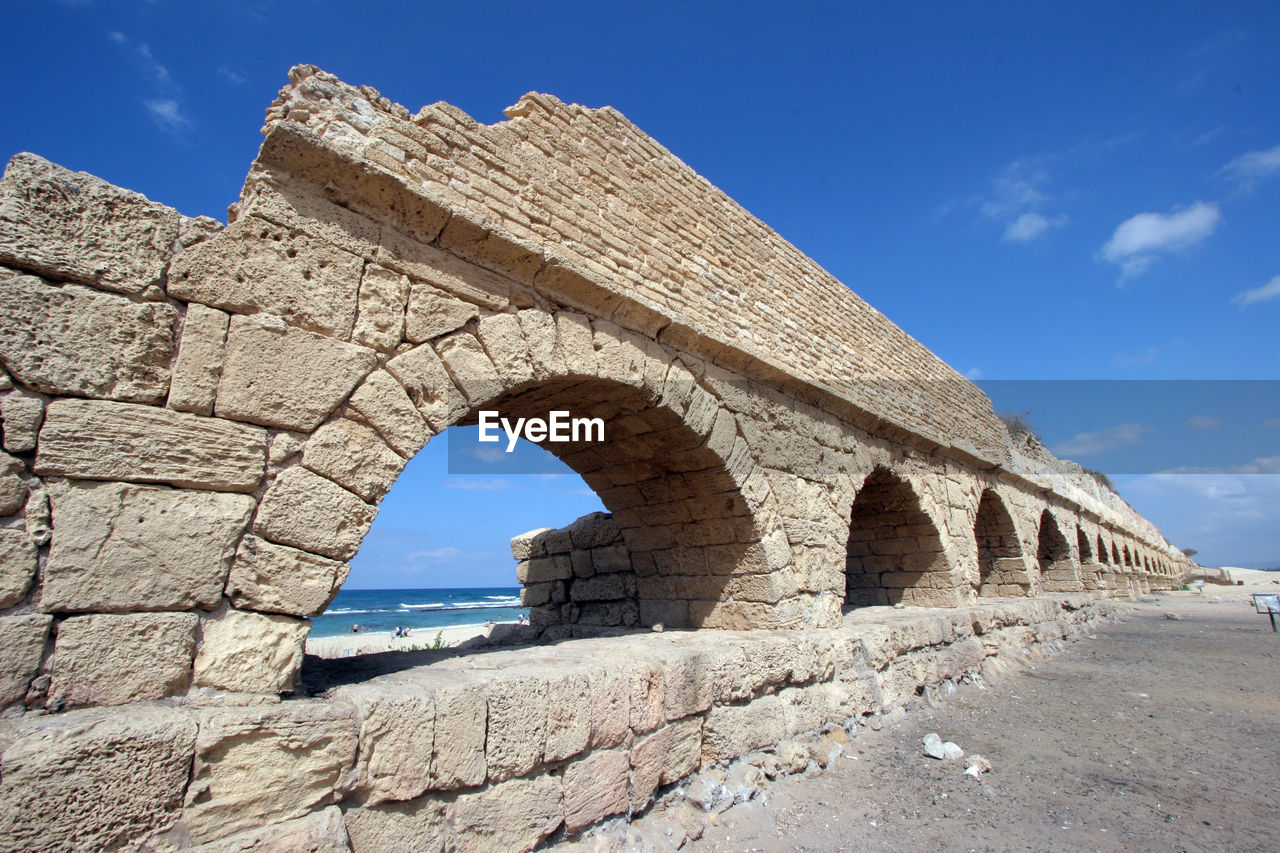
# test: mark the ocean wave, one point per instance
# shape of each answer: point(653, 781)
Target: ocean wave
point(421, 606)
point(347, 611)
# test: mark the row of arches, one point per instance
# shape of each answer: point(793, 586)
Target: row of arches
point(896, 553)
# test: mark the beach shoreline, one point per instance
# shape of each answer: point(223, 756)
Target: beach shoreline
point(346, 645)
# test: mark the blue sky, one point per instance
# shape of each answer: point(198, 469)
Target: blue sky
point(1036, 191)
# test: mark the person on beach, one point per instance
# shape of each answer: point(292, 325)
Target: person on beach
point(355, 629)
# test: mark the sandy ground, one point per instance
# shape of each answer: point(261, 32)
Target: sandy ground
point(1153, 734)
point(383, 641)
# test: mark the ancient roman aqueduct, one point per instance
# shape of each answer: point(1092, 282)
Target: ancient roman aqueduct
point(200, 420)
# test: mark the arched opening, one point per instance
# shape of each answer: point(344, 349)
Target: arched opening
point(1102, 551)
point(1128, 558)
point(1082, 541)
point(435, 568)
point(1090, 569)
point(895, 553)
point(1002, 570)
point(1053, 553)
point(1115, 554)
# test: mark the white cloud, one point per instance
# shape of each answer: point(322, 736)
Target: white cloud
point(1270, 290)
point(231, 75)
point(1100, 441)
point(446, 553)
point(1029, 226)
point(1252, 167)
point(1274, 423)
point(1261, 465)
point(973, 373)
point(167, 113)
point(1140, 239)
point(477, 484)
point(1135, 358)
point(1203, 422)
point(1018, 193)
point(165, 106)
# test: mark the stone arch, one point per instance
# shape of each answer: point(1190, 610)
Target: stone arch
point(895, 553)
point(671, 470)
point(1002, 568)
point(1053, 555)
point(1103, 556)
point(1128, 557)
point(1090, 568)
point(1115, 554)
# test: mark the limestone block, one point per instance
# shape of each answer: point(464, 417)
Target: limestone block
point(385, 405)
point(21, 647)
point(595, 787)
point(610, 705)
point(517, 731)
point(318, 832)
point(13, 492)
point(301, 206)
point(284, 446)
point(250, 652)
point(569, 710)
point(397, 732)
point(17, 565)
point(199, 364)
point(471, 370)
point(384, 294)
point(503, 341)
point(688, 681)
point(22, 414)
point(76, 340)
point(646, 697)
point(648, 755)
point(432, 313)
point(122, 547)
point(265, 763)
point(442, 270)
point(307, 511)
point(458, 755)
point(420, 825)
point(75, 227)
point(576, 345)
point(258, 266)
point(36, 517)
point(540, 336)
point(514, 815)
point(278, 579)
point(94, 779)
point(353, 456)
point(423, 376)
point(142, 444)
point(277, 375)
point(529, 544)
point(732, 730)
point(110, 659)
point(619, 354)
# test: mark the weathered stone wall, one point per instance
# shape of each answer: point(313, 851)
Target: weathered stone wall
point(448, 755)
point(199, 421)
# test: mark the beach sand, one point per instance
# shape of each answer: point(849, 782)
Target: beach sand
point(382, 641)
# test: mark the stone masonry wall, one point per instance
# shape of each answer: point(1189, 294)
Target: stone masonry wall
point(198, 423)
point(447, 755)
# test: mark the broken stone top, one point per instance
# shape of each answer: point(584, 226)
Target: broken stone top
point(589, 210)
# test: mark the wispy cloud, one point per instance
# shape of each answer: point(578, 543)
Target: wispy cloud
point(1017, 195)
point(1029, 226)
point(1260, 465)
point(477, 484)
point(447, 553)
point(1274, 423)
point(164, 104)
point(1203, 422)
point(973, 374)
point(1270, 290)
point(1136, 358)
point(1252, 167)
point(1101, 441)
point(231, 75)
point(1140, 239)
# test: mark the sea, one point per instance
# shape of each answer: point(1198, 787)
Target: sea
point(423, 610)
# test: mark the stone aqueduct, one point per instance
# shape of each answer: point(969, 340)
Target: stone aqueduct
point(199, 422)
